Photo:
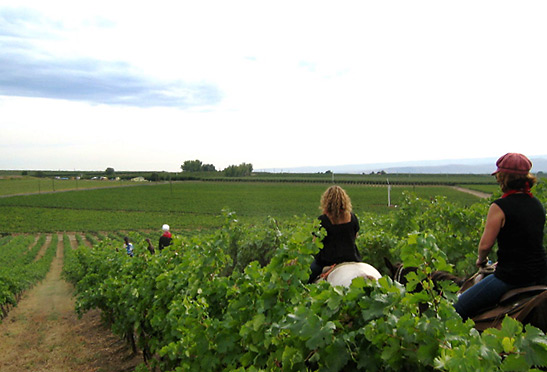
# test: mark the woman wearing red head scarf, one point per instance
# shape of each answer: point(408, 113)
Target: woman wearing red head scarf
point(516, 222)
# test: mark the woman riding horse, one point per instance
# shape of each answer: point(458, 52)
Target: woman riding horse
point(341, 226)
point(516, 222)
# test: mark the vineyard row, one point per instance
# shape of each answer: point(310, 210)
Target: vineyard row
point(236, 299)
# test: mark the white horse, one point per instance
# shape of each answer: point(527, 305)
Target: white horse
point(344, 273)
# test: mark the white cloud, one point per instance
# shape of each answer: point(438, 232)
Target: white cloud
point(277, 84)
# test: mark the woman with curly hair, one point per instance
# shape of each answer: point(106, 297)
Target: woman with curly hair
point(516, 222)
point(341, 226)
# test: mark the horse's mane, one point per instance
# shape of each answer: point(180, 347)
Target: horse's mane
point(444, 275)
point(399, 272)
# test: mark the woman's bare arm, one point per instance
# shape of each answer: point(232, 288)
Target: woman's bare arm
point(494, 222)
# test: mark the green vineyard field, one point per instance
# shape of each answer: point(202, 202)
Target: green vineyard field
point(23, 262)
point(235, 299)
point(190, 205)
point(230, 294)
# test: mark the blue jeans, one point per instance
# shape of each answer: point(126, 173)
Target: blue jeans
point(482, 295)
point(316, 270)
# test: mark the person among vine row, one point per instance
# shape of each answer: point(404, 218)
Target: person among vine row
point(128, 246)
point(516, 221)
point(341, 226)
point(166, 238)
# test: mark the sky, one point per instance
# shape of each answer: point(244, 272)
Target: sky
point(146, 85)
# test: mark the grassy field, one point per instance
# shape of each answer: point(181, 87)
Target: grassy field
point(189, 205)
point(10, 185)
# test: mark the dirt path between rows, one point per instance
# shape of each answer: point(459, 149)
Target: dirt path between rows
point(479, 194)
point(43, 333)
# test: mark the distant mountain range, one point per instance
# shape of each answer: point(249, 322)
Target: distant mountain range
point(458, 166)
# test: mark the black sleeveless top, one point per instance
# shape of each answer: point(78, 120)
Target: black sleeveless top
point(521, 255)
point(339, 244)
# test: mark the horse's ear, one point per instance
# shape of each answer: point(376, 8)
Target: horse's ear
point(390, 266)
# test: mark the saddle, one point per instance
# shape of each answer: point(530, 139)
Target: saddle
point(523, 292)
point(517, 303)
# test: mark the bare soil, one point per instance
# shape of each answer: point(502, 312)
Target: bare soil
point(479, 194)
point(43, 333)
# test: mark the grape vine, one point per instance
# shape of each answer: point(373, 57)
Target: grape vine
point(236, 299)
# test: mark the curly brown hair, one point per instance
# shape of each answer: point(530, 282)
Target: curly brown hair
point(335, 203)
point(511, 181)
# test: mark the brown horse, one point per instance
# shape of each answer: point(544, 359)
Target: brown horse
point(528, 305)
point(398, 273)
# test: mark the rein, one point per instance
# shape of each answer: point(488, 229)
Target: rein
point(326, 273)
point(398, 276)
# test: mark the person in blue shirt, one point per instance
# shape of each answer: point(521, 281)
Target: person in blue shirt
point(128, 246)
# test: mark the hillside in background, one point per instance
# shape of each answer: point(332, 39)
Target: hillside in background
point(453, 166)
point(483, 166)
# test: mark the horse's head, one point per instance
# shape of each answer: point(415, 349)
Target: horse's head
point(391, 267)
point(397, 271)
point(150, 246)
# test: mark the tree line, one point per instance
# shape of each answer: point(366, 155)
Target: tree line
point(241, 170)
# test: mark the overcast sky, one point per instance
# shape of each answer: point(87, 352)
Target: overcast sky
point(146, 85)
